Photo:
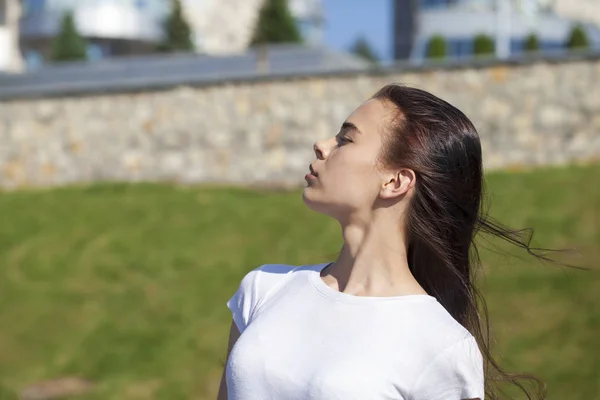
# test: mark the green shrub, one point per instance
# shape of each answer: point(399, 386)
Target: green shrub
point(578, 38)
point(437, 47)
point(362, 48)
point(532, 43)
point(484, 45)
point(68, 45)
point(276, 24)
point(178, 33)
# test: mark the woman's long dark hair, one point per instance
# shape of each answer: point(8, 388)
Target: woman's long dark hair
point(441, 145)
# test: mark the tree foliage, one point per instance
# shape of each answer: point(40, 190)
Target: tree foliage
point(68, 45)
point(437, 47)
point(578, 38)
point(276, 24)
point(532, 43)
point(178, 33)
point(362, 48)
point(484, 45)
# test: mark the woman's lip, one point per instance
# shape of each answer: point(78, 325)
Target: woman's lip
point(310, 176)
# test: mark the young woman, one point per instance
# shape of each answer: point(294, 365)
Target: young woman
point(396, 315)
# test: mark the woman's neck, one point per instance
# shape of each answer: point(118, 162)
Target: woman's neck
point(372, 262)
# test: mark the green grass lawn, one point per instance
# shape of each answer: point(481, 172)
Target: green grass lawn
point(126, 284)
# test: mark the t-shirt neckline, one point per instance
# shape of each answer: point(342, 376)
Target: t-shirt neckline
point(324, 289)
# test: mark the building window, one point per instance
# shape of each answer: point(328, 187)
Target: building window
point(33, 59)
point(94, 52)
point(517, 46)
point(33, 6)
point(98, 50)
point(460, 48)
point(437, 3)
point(552, 46)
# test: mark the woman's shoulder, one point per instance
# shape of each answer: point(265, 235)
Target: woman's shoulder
point(256, 286)
point(262, 279)
point(437, 328)
point(456, 372)
point(449, 362)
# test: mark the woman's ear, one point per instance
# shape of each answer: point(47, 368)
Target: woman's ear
point(398, 184)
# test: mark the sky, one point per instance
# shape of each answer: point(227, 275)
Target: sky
point(345, 20)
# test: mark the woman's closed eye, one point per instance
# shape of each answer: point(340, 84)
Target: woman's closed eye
point(341, 140)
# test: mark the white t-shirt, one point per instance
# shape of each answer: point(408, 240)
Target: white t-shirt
point(303, 340)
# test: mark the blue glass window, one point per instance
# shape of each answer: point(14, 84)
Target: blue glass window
point(94, 52)
point(33, 59)
point(437, 3)
point(517, 46)
point(98, 50)
point(33, 6)
point(552, 45)
point(460, 48)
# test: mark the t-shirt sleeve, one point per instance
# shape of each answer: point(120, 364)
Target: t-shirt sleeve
point(454, 374)
point(244, 300)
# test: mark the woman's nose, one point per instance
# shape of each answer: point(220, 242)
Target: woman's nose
point(320, 150)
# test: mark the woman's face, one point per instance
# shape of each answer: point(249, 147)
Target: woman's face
point(347, 178)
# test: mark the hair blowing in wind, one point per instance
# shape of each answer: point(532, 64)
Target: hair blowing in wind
point(441, 145)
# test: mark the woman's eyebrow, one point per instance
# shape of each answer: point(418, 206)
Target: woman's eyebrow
point(350, 126)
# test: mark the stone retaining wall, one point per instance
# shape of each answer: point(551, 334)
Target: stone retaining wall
point(261, 132)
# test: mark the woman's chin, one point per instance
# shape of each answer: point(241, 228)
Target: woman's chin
point(308, 196)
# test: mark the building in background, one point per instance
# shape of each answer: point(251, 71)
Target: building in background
point(582, 10)
point(226, 27)
point(221, 27)
point(133, 27)
point(459, 21)
point(111, 27)
point(404, 28)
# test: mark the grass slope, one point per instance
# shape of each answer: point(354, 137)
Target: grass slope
point(126, 284)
